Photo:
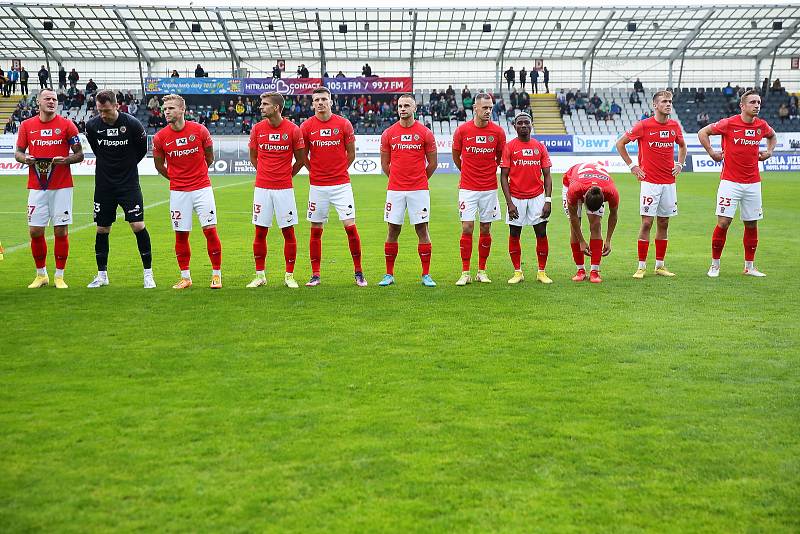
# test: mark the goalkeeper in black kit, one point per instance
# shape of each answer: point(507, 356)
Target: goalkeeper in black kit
point(119, 143)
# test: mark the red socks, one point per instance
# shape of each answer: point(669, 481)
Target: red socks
point(260, 247)
point(466, 251)
point(289, 248)
point(577, 255)
point(484, 247)
point(750, 242)
point(315, 249)
point(390, 251)
point(61, 250)
point(596, 248)
point(661, 249)
point(182, 250)
point(355, 246)
point(643, 247)
point(424, 251)
point(39, 251)
point(718, 242)
point(214, 247)
point(515, 251)
point(542, 249)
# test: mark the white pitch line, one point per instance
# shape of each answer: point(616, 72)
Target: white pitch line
point(14, 248)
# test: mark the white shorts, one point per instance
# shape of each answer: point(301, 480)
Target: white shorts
point(418, 204)
point(485, 203)
point(52, 205)
point(279, 202)
point(320, 198)
point(658, 200)
point(182, 203)
point(731, 194)
point(599, 212)
point(530, 211)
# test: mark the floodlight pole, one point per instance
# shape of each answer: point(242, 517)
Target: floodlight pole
point(322, 62)
point(413, 45)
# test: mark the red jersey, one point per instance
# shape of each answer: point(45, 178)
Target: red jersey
point(48, 140)
point(481, 150)
point(275, 148)
point(184, 153)
point(525, 161)
point(583, 176)
point(656, 148)
point(327, 149)
point(740, 142)
point(408, 147)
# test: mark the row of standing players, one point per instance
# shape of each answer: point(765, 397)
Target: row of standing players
point(325, 143)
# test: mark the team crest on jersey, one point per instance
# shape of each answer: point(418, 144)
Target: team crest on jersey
point(46, 133)
point(527, 152)
point(192, 137)
point(758, 132)
point(749, 133)
point(285, 137)
point(58, 131)
point(416, 137)
point(491, 139)
point(336, 131)
point(274, 137)
point(405, 138)
point(664, 134)
point(112, 132)
point(325, 133)
point(672, 133)
point(181, 141)
point(480, 139)
point(122, 129)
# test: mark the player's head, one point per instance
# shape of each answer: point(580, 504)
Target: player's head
point(750, 103)
point(48, 100)
point(107, 107)
point(174, 107)
point(482, 106)
point(321, 100)
point(523, 124)
point(271, 104)
point(662, 102)
point(594, 198)
point(406, 106)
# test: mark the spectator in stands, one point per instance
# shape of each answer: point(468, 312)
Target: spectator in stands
point(728, 91)
point(24, 75)
point(276, 71)
point(523, 77)
point(82, 126)
point(246, 126)
point(124, 108)
point(561, 98)
point(90, 102)
point(700, 96)
point(783, 112)
point(11, 127)
point(428, 125)
point(634, 98)
point(44, 77)
point(513, 99)
point(497, 109)
point(133, 108)
point(596, 101)
point(73, 78)
point(174, 74)
point(565, 109)
point(434, 97)
point(776, 86)
point(580, 103)
point(153, 102)
point(645, 115)
point(546, 80)
point(614, 110)
point(535, 81)
point(702, 119)
point(793, 107)
point(340, 74)
point(461, 115)
point(510, 76)
point(638, 86)
point(5, 85)
point(199, 72)
point(214, 116)
point(524, 101)
point(366, 70)
point(62, 77)
point(603, 112)
point(91, 87)
point(239, 107)
point(764, 86)
point(13, 78)
point(466, 94)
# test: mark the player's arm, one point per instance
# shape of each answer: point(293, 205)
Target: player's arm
point(681, 157)
point(306, 161)
point(254, 158)
point(612, 224)
point(575, 225)
point(209, 154)
point(22, 157)
point(433, 163)
point(299, 160)
point(457, 158)
point(622, 149)
point(161, 167)
point(91, 136)
point(513, 213)
point(351, 152)
point(139, 141)
point(386, 162)
point(772, 142)
point(548, 192)
point(75, 157)
point(705, 140)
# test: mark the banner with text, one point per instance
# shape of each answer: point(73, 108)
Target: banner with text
point(193, 86)
point(284, 86)
point(369, 86)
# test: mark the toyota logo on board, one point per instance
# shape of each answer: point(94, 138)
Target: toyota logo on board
point(365, 165)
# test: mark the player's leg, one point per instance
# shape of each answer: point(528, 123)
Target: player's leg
point(61, 207)
point(317, 215)
point(204, 205)
point(419, 209)
point(515, 248)
point(286, 215)
point(643, 243)
point(535, 217)
point(38, 210)
point(394, 213)
point(262, 220)
point(132, 203)
point(667, 208)
point(468, 209)
point(751, 213)
point(180, 211)
point(728, 195)
point(489, 211)
point(342, 200)
point(595, 246)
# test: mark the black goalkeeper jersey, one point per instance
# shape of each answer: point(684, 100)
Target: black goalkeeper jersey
point(118, 147)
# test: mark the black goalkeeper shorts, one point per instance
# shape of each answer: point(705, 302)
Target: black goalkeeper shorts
point(106, 202)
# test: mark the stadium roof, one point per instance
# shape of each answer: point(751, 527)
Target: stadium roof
point(158, 32)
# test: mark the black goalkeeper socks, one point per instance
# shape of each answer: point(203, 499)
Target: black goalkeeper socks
point(143, 242)
point(101, 251)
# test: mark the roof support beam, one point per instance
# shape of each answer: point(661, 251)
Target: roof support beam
point(234, 55)
point(38, 37)
point(134, 40)
point(680, 50)
point(322, 63)
point(508, 34)
point(413, 43)
point(597, 38)
point(778, 41)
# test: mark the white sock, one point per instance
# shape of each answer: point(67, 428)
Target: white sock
point(42, 271)
point(715, 263)
point(260, 274)
point(102, 274)
point(148, 272)
point(748, 265)
point(659, 264)
point(596, 268)
point(580, 267)
point(643, 264)
point(216, 272)
point(186, 274)
point(59, 273)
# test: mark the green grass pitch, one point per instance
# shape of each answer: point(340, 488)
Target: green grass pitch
point(653, 405)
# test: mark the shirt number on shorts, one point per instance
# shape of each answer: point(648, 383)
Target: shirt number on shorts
point(724, 201)
point(175, 214)
point(256, 208)
point(462, 206)
point(388, 206)
point(647, 201)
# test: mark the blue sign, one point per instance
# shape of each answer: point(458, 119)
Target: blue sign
point(555, 143)
point(193, 86)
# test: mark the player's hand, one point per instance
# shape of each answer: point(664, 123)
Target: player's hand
point(585, 247)
point(638, 172)
point(676, 170)
point(29, 160)
point(546, 209)
point(717, 156)
point(606, 248)
point(513, 213)
point(764, 155)
point(59, 160)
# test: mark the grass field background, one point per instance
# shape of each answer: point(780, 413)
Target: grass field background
point(652, 405)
